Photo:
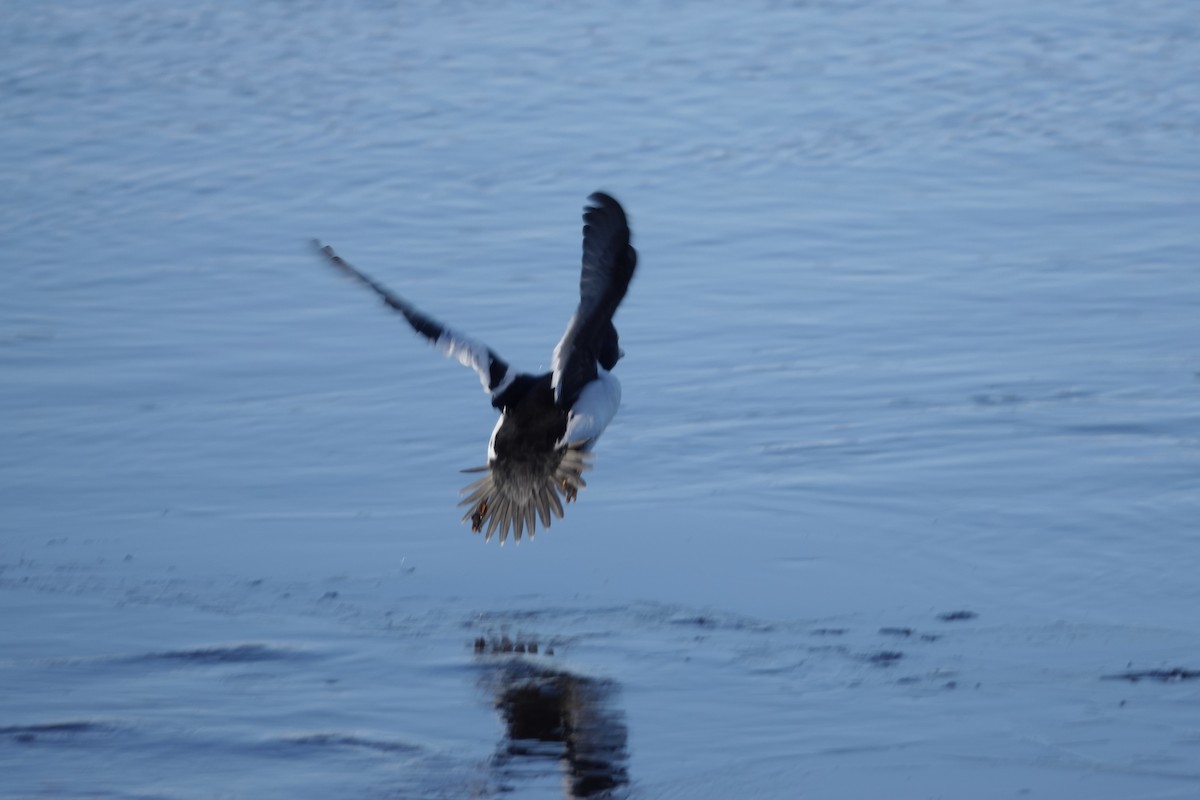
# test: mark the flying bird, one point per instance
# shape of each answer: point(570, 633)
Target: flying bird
point(549, 422)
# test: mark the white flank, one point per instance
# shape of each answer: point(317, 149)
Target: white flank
point(595, 408)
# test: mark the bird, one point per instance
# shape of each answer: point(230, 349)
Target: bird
point(549, 422)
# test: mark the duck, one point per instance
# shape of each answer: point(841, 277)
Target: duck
point(549, 422)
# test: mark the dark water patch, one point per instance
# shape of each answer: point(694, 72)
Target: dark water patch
point(53, 731)
point(828, 632)
point(516, 615)
point(938, 680)
point(1173, 675)
point(1073, 394)
point(1118, 429)
point(998, 399)
point(957, 616)
point(717, 621)
point(553, 716)
point(504, 644)
point(998, 396)
point(223, 654)
point(898, 632)
point(522, 615)
point(836, 649)
point(909, 633)
point(612, 618)
point(350, 741)
point(884, 658)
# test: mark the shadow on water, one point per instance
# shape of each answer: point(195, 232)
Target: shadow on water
point(555, 716)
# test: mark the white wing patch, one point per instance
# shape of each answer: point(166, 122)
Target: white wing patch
point(595, 408)
point(474, 355)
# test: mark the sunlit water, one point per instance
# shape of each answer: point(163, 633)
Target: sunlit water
point(914, 332)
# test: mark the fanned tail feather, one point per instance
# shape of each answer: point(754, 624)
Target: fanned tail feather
point(494, 506)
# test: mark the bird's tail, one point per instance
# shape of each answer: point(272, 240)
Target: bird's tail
point(513, 494)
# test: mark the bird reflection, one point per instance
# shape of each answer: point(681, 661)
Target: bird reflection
point(553, 715)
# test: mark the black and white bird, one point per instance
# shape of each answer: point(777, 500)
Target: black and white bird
point(549, 423)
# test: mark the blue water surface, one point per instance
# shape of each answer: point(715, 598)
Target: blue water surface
point(914, 332)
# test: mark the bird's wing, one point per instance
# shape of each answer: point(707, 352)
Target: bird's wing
point(492, 370)
point(608, 264)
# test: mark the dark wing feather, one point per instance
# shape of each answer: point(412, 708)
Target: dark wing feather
point(609, 261)
point(493, 372)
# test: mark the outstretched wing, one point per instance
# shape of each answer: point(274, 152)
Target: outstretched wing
point(608, 264)
point(493, 372)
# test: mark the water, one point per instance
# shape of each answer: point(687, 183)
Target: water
point(913, 333)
